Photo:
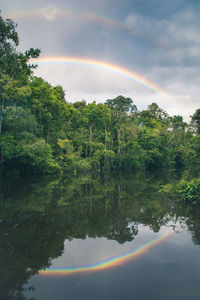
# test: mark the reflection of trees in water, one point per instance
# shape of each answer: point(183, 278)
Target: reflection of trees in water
point(37, 217)
point(26, 242)
point(193, 223)
point(189, 216)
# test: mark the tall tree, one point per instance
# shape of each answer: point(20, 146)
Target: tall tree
point(196, 120)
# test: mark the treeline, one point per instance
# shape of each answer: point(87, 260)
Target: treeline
point(41, 133)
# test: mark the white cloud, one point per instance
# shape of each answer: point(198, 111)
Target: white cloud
point(49, 12)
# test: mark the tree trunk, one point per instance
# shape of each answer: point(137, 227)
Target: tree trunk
point(90, 139)
point(118, 138)
point(47, 139)
point(1, 118)
point(1, 121)
point(106, 135)
point(2, 159)
point(119, 197)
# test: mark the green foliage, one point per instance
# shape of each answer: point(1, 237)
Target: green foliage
point(39, 155)
point(13, 63)
point(18, 119)
point(41, 132)
point(121, 104)
point(196, 120)
point(81, 165)
point(189, 190)
point(186, 190)
point(8, 146)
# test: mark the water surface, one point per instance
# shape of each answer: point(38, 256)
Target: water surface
point(97, 238)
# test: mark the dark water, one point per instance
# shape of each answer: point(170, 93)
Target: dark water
point(83, 221)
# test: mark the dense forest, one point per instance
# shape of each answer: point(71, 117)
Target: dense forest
point(41, 133)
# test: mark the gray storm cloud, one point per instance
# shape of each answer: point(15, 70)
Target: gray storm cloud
point(166, 52)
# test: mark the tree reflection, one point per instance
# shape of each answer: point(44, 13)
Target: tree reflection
point(37, 217)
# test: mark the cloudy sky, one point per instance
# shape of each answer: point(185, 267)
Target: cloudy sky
point(157, 40)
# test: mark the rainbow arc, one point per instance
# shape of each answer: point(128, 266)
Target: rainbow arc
point(53, 13)
point(110, 262)
point(131, 75)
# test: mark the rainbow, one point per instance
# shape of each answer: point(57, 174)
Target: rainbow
point(104, 65)
point(110, 262)
point(52, 13)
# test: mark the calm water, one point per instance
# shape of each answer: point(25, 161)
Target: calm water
point(97, 238)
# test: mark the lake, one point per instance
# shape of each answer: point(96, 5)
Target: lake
point(97, 237)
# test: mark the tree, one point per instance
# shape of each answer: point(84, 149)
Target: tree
point(14, 63)
point(121, 104)
point(153, 117)
point(196, 120)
